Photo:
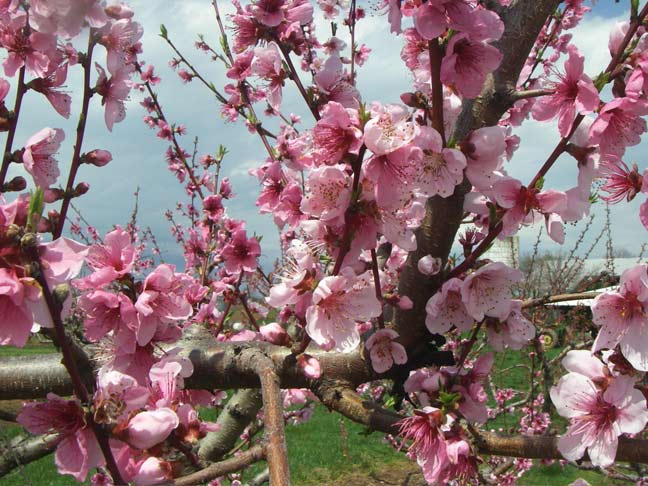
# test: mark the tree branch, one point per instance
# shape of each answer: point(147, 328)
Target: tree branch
point(243, 460)
point(23, 453)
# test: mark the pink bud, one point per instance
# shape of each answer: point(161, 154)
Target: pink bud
point(405, 303)
point(81, 188)
point(275, 334)
point(53, 195)
point(428, 265)
point(310, 366)
point(97, 157)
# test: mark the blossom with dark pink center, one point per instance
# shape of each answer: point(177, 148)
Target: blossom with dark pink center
point(597, 415)
point(389, 129)
point(336, 134)
point(114, 92)
point(620, 182)
point(240, 254)
point(619, 125)
point(213, 207)
point(111, 260)
point(446, 309)
point(573, 93)
point(328, 193)
point(49, 86)
point(77, 451)
point(426, 431)
point(623, 317)
point(467, 63)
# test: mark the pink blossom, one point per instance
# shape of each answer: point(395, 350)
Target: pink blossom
point(446, 309)
point(425, 430)
point(119, 38)
point(389, 129)
point(333, 82)
point(623, 317)
point(149, 428)
point(485, 155)
point(467, 63)
point(275, 334)
point(439, 170)
point(110, 261)
point(97, 157)
point(619, 125)
point(336, 134)
point(515, 331)
point(78, 450)
point(487, 291)
point(105, 312)
point(152, 470)
point(428, 265)
point(384, 351)
point(521, 203)
point(267, 64)
point(392, 175)
point(338, 303)
point(34, 51)
point(573, 93)
point(65, 17)
point(328, 193)
point(21, 304)
point(113, 92)
point(38, 156)
point(162, 301)
point(49, 85)
point(241, 253)
point(620, 182)
point(213, 207)
point(61, 259)
point(597, 416)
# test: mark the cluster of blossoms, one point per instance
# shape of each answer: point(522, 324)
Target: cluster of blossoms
point(348, 195)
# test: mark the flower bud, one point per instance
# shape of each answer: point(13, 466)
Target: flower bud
point(81, 189)
point(97, 157)
point(16, 184)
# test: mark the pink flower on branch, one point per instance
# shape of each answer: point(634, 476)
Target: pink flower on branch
point(38, 156)
point(598, 415)
point(384, 351)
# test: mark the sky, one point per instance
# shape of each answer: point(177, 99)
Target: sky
point(138, 156)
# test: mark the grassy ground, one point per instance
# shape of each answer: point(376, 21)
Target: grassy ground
point(331, 450)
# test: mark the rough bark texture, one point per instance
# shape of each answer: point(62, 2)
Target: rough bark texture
point(240, 410)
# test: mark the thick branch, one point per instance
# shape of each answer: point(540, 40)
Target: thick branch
point(240, 410)
point(523, 21)
point(243, 460)
point(30, 450)
point(553, 299)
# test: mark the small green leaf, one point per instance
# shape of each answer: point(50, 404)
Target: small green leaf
point(540, 184)
point(601, 80)
point(36, 207)
point(163, 31)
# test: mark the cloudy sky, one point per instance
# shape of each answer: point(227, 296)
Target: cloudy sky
point(139, 155)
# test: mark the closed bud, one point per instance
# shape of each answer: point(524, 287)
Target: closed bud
point(13, 231)
point(97, 157)
point(61, 292)
point(16, 184)
point(119, 11)
point(81, 189)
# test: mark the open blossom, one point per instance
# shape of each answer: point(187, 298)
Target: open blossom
point(389, 129)
point(336, 134)
point(467, 63)
point(162, 301)
point(21, 304)
point(65, 17)
point(328, 193)
point(573, 93)
point(338, 303)
point(598, 415)
point(49, 85)
point(110, 261)
point(438, 169)
point(623, 317)
point(619, 125)
point(487, 292)
point(77, 451)
point(384, 351)
point(515, 332)
point(240, 253)
point(426, 431)
point(114, 92)
point(485, 156)
point(106, 312)
point(446, 309)
point(521, 202)
point(38, 156)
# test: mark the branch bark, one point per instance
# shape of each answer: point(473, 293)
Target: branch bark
point(234, 464)
point(30, 450)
